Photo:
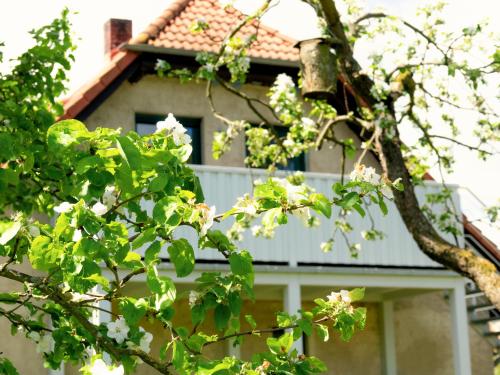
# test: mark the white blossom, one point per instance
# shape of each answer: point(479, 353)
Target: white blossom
point(45, 344)
point(342, 296)
point(303, 213)
point(99, 209)
point(145, 342)
point(207, 218)
point(308, 124)
point(326, 246)
point(283, 89)
point(361, 173)
point(99, 367)
point(345, 296)
point(288, 143)
point(118, 330)
point(33, 230)
point(77, 235)
point(109, 198)
point(175, 129)
point(246, 205)
point(193, 297)
point(256, 230)
point(33, 335)
point(63, 207)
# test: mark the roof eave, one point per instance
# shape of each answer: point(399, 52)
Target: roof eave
point(146, 48)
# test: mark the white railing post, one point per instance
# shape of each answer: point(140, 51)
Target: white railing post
point(389, 338)
point(460, 331)
point(292, 303)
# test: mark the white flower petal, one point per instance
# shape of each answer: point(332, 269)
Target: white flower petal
point(99, 209)
point(63, 207)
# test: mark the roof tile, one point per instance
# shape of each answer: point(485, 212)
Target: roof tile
point(177, 19)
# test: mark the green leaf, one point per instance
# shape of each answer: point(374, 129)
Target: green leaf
point(382, 205)
point(7, 368)
point(281, 345)
point(197, 313)
point(241, 263)
point(158, 183)
point(321, 204)
point(182, 256)
point(132, 257)
point(129, 152)
point(99, 279)
point(9, 232)
point(165, 211)
point(306, 326)
point(178, 355)
point(274, 345)
point(9, 297)
point(338, 188)
point(43, 254)
point(250, 320)
point(163, 287)
point(286, 342)
point(322, 331)
point(64, 134)
point(349, 200)
point(360, 209)
point(147, 235)
point(357, 294)
point(133, 311)
point(87, 163)
point(222, 314)
point(235, 303)
point(152, 252)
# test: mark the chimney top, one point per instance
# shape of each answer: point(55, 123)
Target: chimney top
point(116, 32)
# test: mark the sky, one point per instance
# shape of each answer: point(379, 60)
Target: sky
point(291, 17)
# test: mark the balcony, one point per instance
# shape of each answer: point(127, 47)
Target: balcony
point(296, 245)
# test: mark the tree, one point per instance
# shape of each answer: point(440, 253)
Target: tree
point(95, 182)
point(424, 78)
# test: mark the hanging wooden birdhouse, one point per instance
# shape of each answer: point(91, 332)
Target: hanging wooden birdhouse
point(318, 64)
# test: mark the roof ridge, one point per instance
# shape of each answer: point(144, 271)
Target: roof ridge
point(178, 6)
point(154, 28)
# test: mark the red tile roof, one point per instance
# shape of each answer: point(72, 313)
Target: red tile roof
point(172, 30)
point(80, 99)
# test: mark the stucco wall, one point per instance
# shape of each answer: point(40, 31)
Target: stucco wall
point(19, 350)
point(424, 342)
point(360, 356)
point(153, 95)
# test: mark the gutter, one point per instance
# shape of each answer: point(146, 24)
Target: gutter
point(146, 48)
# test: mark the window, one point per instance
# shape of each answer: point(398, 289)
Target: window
point(297, 163)
point(146, 124)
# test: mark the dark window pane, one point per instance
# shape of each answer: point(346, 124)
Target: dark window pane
point(146, 124)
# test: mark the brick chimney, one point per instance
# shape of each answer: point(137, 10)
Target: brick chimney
point(116, 32)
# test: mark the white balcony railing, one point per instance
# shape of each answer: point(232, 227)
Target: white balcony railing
point(295, 244)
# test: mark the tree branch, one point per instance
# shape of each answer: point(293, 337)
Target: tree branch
point(463, 261)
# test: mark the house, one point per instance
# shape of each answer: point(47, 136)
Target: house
point(418, 319)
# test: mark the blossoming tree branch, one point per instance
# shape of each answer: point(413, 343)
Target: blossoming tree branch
point(422, 76)
point(96, 185)
point(74, 218)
